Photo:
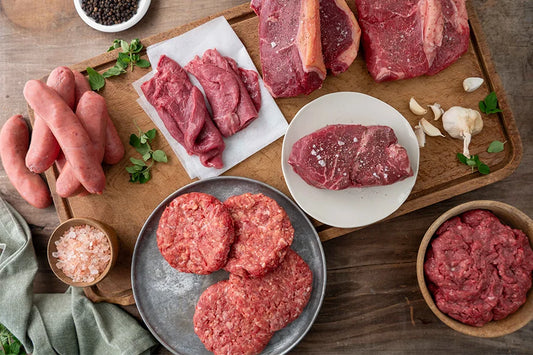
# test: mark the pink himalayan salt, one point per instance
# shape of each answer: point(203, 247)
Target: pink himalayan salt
point(83, 252)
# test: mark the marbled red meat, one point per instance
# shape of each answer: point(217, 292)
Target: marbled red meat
point(222, 328)
point(340, 34)
point(277, 298)
point(182, 109)
point(195, 233)
point(221, 79)
point(340, 156)
point(290, 46)
point(478, 269)
point(263, 234)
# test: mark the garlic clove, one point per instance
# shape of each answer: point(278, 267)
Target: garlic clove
point(437, 110)
point(416, 108)
point(429, 129)
point(420, 136)
point(472, 84)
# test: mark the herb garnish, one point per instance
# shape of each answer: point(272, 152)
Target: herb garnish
point(9, 344)
point(495, 147)
point(129, 56)
point(140, 171)
point(474, 162)
point(489, 104)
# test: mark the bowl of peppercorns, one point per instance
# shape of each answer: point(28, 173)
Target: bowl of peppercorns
point(111, 15)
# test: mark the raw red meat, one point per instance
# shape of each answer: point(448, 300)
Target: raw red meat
point(232, 106)
point(195, 233)
point(182, 109)
point(340, 156)
point(340, 34)
point(263, 234)
point(290, 46)
point(407, 38)
point(455, 37)
point(277, 298)
point(222, 328)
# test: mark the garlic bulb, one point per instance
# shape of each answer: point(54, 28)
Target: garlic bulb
point(416, 108)
point(472, 84)
point(462, 123)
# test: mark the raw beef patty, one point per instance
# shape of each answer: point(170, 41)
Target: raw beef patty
point(222, 328)
point(195, 233)
point(263, 233)
point(277, 298)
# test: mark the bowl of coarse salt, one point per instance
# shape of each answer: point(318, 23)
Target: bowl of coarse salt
point(82, 251)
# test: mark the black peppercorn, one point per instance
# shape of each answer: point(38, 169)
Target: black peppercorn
point(110, 12)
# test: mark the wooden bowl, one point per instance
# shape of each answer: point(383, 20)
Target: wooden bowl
point(60, 230)
point(508, 215)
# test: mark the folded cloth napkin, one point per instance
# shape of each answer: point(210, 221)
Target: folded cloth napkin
point(66, 323)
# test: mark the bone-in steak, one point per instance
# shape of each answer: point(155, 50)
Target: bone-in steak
point(340, 156)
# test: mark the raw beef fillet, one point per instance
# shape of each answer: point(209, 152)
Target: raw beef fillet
point(340, 156)
point(399, 36)
point(455, 37)
point(222, 328)
point(232, 106)
point(182, 109)
point(263, 234)
point(340, 34)
point(277, 298)
point(290, 46)
point(195, 233)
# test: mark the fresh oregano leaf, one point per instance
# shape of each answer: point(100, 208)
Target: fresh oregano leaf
point(495, 147)
point(96, 80)
point(142, 63)
point(147, 156)
point(462, 158)
point(151, 134)
point(489, 104)
point(159, 156)
point(137, 161)
point(483, 169)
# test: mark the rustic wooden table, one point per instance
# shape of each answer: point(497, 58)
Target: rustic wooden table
point(372, 301)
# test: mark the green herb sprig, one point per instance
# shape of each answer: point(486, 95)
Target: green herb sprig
point(9, 344)
point(140, 170)
point(489, 104)
point(474, 162)
point(128, 57)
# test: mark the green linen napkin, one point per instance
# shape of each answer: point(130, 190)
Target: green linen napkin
point(66, 323)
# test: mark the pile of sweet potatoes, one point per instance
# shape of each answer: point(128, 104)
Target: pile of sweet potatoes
point(72, 127)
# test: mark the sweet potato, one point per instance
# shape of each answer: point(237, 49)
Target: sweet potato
point(92, 113)
point(114, 149)
point(14, 139)
point(79, 150)
point(44, 148)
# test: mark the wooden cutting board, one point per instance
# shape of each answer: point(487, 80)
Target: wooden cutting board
point(125, 206)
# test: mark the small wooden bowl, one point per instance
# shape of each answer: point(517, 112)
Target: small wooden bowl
point(60, 230)
point(508, 215)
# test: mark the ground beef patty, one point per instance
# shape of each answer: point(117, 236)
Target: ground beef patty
point(222, 328)
point(263, 233)
point(195, 233)
point(277, 298)
point(478, 268)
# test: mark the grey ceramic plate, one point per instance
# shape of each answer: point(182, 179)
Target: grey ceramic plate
point(166, 298)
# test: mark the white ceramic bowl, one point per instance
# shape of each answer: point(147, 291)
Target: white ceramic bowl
point(141, 11)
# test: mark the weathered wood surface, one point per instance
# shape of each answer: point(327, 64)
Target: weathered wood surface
point(372, 301)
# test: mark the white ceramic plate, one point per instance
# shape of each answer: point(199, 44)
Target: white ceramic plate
point(352, 207)
point(141, 11)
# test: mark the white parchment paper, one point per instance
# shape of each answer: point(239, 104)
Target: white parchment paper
point(265, 129)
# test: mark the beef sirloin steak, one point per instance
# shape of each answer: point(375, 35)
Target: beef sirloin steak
point(340, 156)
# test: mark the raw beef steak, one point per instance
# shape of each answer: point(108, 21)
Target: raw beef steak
point(182, 109)
point(222, 328)
point(232, 106)
point(263, 234)
point(340, 34)
point(277, 298)
point(455, 37)
point(340, 156)
point(290, 46)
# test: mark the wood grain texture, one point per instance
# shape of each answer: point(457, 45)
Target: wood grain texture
point(372, 289)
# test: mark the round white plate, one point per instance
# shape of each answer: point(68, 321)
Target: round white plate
point(352, 207)
point(142, 8)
